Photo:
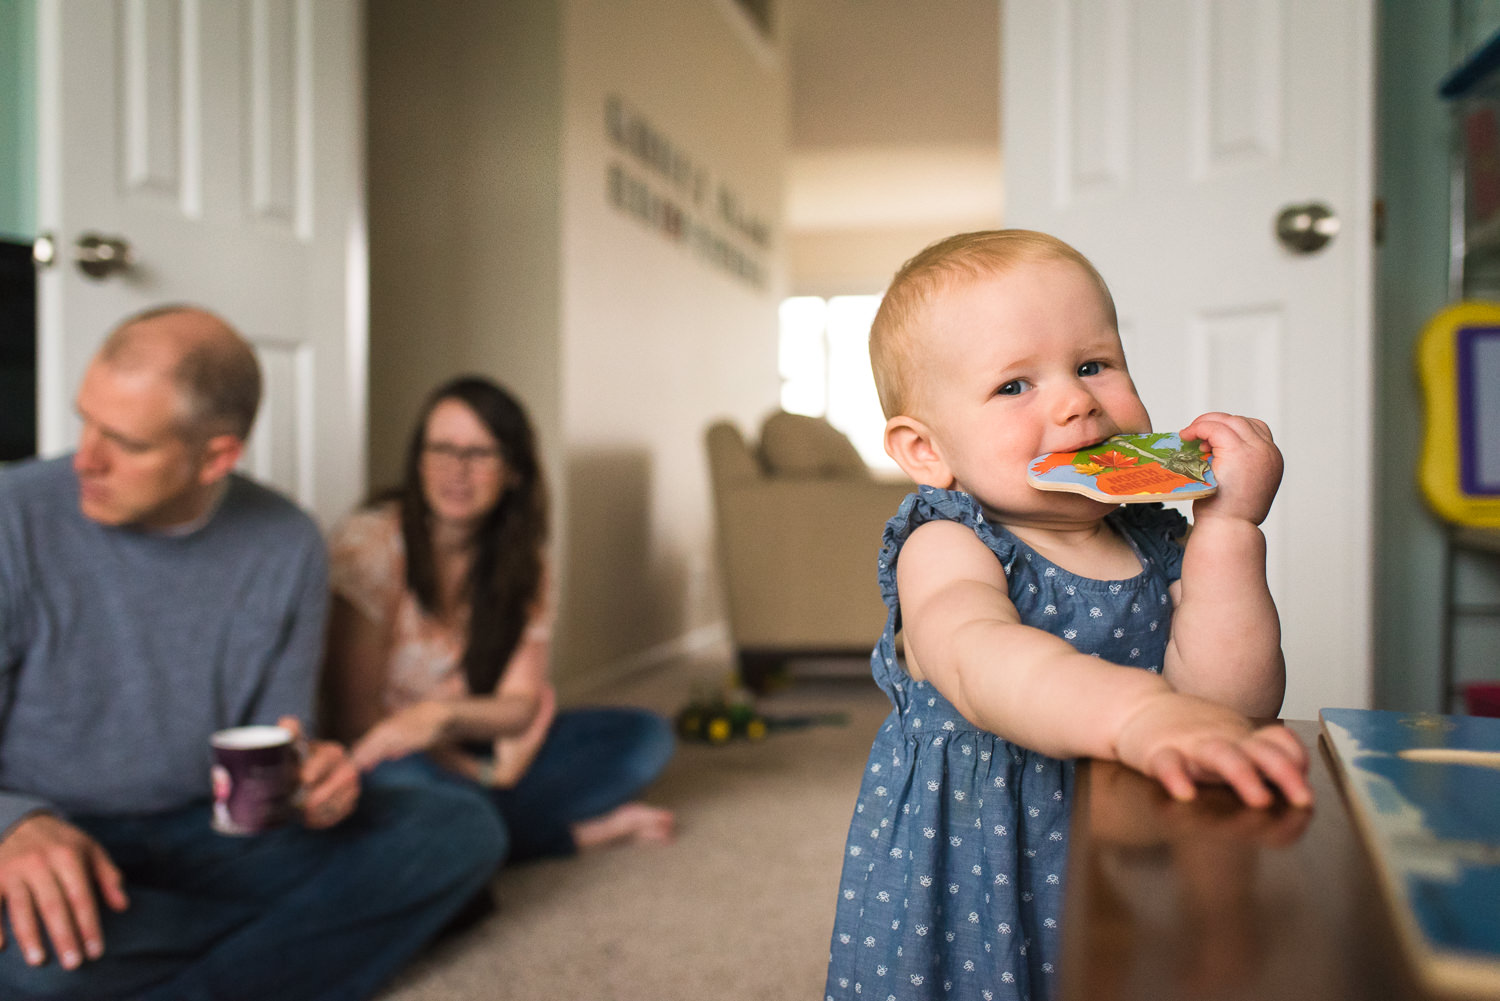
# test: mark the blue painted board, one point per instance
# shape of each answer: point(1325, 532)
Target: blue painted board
point(1424, 790)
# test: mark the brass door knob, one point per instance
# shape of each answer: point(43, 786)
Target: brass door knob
point(101, 256)
point(1306, 229)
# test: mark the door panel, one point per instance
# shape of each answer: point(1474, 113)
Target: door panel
point(1162, 138)
point(222, 140)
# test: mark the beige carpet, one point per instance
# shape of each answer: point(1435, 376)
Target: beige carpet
point(739, 907)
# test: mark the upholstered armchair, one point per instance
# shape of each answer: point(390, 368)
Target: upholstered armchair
point(799, 518)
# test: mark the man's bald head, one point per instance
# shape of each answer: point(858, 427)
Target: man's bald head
point(209, 362)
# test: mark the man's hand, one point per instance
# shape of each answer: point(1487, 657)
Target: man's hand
point(48, 869)
point(330, 782)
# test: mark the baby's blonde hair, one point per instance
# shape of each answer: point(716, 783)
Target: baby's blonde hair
point(967, 256)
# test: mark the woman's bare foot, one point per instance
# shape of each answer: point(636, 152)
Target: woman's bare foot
point(629, 823)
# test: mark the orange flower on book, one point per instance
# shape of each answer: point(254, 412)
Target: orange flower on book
point(1114, 460)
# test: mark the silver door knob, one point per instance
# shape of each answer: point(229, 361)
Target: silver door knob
point(101, 256)
point(1306, 229)
point(44, 251)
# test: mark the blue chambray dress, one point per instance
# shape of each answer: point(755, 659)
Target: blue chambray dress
point(952, 875)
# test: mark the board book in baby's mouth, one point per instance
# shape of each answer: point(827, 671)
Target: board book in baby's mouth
point(1129, 468)
point(1424, 792)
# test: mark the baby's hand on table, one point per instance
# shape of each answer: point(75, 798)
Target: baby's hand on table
point(1247, 465)
point(1180, 740)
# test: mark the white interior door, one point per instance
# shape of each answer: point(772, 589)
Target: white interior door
point(1163, 138)
point(223, 141)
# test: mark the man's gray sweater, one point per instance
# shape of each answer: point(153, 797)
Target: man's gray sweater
point(121, 650)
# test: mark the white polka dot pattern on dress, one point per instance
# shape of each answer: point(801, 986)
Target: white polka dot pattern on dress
point(960, 891)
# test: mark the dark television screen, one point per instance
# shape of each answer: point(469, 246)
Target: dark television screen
point(17, 352)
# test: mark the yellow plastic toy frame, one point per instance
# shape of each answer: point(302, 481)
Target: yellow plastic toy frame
point(1439, 470)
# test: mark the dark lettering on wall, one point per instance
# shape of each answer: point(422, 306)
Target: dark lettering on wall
point(662, 186)
point(633, 196)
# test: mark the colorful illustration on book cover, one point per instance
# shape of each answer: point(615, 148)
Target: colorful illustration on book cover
point(1426, 791)
point(1127, 468)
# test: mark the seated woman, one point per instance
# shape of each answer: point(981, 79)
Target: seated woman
point(439, 640)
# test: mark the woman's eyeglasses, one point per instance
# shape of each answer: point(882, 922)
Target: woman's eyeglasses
point(480, 457)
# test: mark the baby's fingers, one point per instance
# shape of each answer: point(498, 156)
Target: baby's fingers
point(1287, 740)
point(1236, 768)
point(1282, 759)
point(1227, 426)
point(1169, 768)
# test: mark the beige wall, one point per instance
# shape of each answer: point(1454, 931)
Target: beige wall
point(659, 340)
point(464, 117)
point(495, 247)
point(895, 137)
point(847, 261)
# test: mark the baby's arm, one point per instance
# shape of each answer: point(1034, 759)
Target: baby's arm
point(1226, 638)
point(964, 635)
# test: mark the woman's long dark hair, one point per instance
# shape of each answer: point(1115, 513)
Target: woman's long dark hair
point(506, 576)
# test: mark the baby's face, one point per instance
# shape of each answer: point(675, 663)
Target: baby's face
point(1016, 365)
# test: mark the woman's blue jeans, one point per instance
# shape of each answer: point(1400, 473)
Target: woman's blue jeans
point(592, 761)
point(290, 914)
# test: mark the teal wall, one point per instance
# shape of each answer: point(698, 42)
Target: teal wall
point(1474, 21)
point(1418, 44)
point(17, 119)
point(1411, 281)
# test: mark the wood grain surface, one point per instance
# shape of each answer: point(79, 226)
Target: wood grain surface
point(1214, 900)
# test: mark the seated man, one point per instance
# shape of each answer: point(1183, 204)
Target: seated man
point(149, 596)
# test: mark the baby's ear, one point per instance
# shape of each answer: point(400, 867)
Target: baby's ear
point(910, 443)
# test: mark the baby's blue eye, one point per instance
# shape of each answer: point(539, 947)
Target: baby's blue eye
point(1013, 388)
point(1090, 368)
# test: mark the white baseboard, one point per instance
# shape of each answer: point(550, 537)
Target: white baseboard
point(706, 640)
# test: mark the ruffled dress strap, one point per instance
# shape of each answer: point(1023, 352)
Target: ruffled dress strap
point(924, 505)
point(1157, 532)
point(932, 504)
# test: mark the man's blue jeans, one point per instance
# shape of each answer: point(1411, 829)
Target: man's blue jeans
point(291, 914)
point(592, 761)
